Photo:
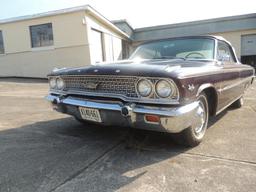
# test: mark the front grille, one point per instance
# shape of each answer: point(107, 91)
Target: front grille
point(115, 85)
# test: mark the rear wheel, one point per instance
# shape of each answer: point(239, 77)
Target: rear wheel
point(238, 103)
point(193, 135)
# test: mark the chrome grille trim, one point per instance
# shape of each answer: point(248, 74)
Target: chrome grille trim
point(133, 96)
point(105, 84)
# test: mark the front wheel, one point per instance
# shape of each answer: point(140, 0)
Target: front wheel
point(193, 135)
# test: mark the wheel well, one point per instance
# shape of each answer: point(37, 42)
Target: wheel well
point(212, 99)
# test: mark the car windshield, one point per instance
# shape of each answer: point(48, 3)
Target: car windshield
point(194, 48)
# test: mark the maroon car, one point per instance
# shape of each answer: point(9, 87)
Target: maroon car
point(171, 85)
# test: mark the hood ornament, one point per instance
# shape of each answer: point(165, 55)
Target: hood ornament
point(118, 71)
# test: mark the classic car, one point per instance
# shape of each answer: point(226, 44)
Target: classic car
point(172, 85)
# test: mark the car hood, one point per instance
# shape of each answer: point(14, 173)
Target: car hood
point(148, 68)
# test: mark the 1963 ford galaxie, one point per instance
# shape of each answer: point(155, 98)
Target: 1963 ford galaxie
point(172, 85)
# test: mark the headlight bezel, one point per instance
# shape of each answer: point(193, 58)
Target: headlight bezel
point(57, 83)
point(52, 80)
point(154, 95)
point(170, 85)
point(149, 83)
point(60, 84)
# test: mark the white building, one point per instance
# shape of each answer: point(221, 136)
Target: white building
point(31, 46)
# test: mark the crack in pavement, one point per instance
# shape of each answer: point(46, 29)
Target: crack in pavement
point(185, 154)
point(253, 108)
point(124, 138)
point(221, 158)
point(206, 156)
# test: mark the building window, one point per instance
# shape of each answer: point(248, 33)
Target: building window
point(97, 46)
point(41, 35)
point(125, 50)
point(1, 43)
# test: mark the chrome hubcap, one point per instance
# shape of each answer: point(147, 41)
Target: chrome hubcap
point(242, 100)
point(200, 119)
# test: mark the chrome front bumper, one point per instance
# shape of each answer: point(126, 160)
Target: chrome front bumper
point(172, 119)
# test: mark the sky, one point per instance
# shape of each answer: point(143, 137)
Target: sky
point(139, 13)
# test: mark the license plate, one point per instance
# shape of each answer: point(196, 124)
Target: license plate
point(90, 114)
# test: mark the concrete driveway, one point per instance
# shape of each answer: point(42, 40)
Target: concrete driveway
point(42, 150)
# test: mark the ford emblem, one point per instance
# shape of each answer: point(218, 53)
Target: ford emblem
point(90, 85)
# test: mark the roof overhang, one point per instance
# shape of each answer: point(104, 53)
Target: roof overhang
point(210, 26)
point(87, 8)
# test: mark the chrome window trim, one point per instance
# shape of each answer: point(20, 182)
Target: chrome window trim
point(231, 49)
point(215, 50)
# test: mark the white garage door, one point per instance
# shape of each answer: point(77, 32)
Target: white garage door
point(248, 45)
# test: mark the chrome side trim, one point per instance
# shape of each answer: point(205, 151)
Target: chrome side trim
point(234, 84)
point(226, 106)
point(215, 72)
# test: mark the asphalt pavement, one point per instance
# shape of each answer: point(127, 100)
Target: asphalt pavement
point(45, 151)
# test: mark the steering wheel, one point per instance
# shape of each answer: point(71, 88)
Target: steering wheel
point(195, 53)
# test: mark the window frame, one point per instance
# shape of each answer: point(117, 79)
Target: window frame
point(41, 46)
point(230, 49)
point(2, 36)
point(102, 41)
point(180, 38)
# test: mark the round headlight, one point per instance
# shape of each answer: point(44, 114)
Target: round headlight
point(163, 88)
point(144, 87)
point(52, 83)
point(60, 83)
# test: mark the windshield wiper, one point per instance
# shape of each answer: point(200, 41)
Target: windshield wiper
point(169, 57)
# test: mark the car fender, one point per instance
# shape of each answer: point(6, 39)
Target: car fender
point(203, 87)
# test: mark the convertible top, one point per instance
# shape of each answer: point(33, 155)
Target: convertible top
point(195, 36)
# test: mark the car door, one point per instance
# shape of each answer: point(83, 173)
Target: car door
point(230, 87)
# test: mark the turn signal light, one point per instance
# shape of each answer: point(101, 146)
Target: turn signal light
point(152, 118)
